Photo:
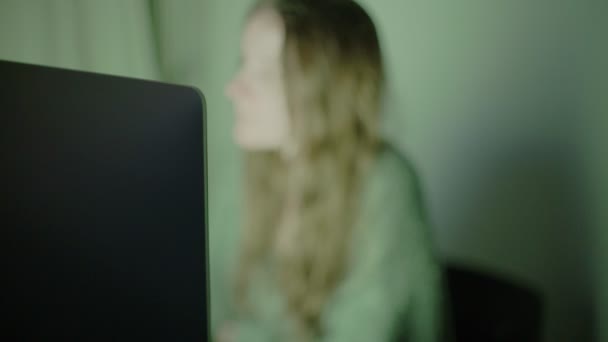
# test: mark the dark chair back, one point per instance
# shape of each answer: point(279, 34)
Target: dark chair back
point(489, 308)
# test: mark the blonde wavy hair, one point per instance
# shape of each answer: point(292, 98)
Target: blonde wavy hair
point(299, 212)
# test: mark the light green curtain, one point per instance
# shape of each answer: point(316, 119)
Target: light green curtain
point(106, 36)
point(473, 84)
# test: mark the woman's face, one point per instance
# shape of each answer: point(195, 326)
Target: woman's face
point(257, 91)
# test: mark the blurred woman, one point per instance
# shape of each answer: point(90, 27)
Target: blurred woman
point(334, 245)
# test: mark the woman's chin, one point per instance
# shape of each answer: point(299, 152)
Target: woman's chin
point(247, 141)
point(253, 142)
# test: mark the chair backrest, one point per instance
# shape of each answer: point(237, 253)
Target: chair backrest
point(489, 308)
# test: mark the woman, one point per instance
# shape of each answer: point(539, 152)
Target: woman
point(333, 245)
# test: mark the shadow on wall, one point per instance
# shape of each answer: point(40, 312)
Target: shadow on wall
point(525, 219)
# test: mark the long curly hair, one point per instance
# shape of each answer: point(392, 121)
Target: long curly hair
point(299, 212)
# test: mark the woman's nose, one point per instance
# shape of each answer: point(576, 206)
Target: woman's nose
point(233, 88)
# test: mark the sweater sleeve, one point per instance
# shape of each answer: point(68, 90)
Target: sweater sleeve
point(392, 289)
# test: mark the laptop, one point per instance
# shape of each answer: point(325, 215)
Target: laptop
point(102, 208)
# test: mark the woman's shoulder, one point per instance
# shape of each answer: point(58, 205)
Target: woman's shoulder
point(392, 172)
point(392, 217)
point(392, 205)
point(391, 190)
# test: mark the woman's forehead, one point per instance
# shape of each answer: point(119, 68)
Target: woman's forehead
point(263, 33)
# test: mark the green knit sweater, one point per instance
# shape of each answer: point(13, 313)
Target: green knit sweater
point(393, 289)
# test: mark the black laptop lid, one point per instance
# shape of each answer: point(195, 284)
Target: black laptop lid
point(102, 208)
